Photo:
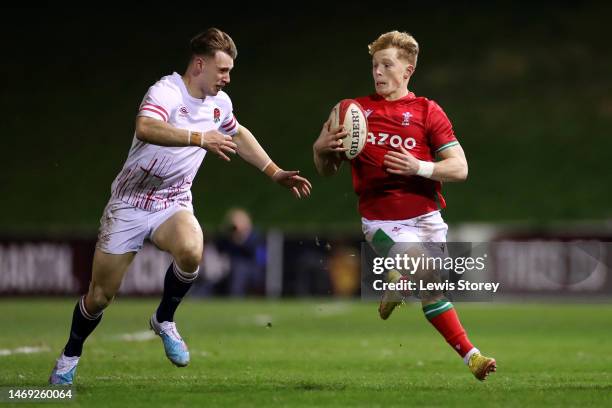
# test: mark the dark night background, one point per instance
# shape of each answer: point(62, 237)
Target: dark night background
point(526, 87)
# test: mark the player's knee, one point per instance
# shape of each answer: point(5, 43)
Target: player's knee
point(189, 256)
point(100, 298)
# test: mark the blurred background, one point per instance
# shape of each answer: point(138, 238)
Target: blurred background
point(526, 87)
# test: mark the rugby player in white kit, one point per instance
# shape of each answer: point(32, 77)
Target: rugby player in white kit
point(181, 118)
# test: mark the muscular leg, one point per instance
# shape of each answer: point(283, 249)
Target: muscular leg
point(441, 313)
point(181, 236)
point(436, 308)
point(107, 273)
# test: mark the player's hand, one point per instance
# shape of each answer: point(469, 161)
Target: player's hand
point(330, 140)
point(401, 163)
point(299, 186)
point(219, 144)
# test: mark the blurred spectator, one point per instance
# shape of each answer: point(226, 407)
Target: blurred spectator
point(235, 264)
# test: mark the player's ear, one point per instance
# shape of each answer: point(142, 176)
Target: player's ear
point(199, 62)
point(409, 70)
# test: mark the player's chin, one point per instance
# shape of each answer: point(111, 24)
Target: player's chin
point(382, 90)
point(215, 90)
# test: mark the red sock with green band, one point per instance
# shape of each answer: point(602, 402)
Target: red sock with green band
point(443, 317)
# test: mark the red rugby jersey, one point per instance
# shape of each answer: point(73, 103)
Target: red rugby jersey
point(422, 127)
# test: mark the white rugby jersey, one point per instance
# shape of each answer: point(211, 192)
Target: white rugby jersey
point(153, 177)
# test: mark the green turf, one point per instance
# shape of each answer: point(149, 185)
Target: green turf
point(320, 353)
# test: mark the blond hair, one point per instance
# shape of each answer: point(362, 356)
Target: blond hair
point(405, 43)
point(207, 43)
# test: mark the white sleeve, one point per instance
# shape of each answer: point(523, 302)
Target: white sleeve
point(229, 124)
point(158, 103)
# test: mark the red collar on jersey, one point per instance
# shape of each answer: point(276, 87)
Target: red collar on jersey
point(408, 97)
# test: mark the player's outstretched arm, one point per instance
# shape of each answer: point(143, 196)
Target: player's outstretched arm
point(328, 150)
point(160, 133)
point(251, 151)
point(452, 165)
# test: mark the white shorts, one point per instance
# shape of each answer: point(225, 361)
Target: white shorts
point(389, 238)
point(124, 228)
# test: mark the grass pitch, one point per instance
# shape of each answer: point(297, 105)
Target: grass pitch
point(316, 353)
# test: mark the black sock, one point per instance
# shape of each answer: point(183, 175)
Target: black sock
point(83, 323)
point(176, 285)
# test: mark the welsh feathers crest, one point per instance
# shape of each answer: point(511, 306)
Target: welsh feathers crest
point(406, 118)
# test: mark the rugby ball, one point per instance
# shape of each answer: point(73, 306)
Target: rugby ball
point(349, 114)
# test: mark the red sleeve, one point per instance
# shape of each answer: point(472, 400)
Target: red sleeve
point(440, 129)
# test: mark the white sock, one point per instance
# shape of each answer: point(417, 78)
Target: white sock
point(469, 354)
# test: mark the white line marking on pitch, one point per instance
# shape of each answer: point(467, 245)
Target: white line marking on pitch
point(331, 309)
point(23, 350)
point(138, 336)
point(262, 319)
